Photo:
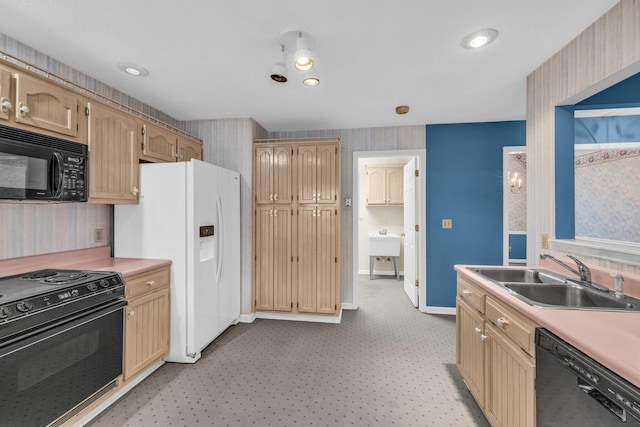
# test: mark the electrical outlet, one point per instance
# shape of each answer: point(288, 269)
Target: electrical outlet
point(447, 223)
point(545, 241)
point(98, 235)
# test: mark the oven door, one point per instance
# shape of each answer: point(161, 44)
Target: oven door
point(47, 374)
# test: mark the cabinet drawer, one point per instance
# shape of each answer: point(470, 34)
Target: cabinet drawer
point(520, 329)
point(472, 294)
point(147, 282)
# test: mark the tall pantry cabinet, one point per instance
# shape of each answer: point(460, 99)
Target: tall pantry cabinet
point(297, 228)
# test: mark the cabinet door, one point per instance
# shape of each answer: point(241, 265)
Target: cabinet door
point(307, 259)
point(395, 185)
point(282, 168)
point(325, 220)
point(509, 384)
point(46, 106)
point(326, 191)
point(263, 174)
point(146, 331)
point(376, 185)
point(159, 145)
point(264, 257)
point(282, 258)
point(470, 349)
point(113, 155)
point(307, 174)
point(188, 150)
point(5, 94)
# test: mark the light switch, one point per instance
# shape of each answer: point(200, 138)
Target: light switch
point(447, 223)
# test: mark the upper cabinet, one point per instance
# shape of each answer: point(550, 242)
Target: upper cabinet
point(31, 102)
point(317, 174)
point(162, 145)
point(384, 185)
point(273, 169)
point(113, 155)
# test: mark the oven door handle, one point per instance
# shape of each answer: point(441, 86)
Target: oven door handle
point(60, 326)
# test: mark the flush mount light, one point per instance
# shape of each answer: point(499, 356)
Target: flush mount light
point(311, 78)
point(479, 38)
point(279, 70)
point(402, 109)
point(133, 69)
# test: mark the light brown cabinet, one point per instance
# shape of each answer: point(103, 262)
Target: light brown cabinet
point(273, 263)
point(158, 144)
point(495, 354)
point(273, 171)
point(113, 155)
point(297, 239)
point(146, 321)
point(188, 149)
point(317, 173)
point(384, 185)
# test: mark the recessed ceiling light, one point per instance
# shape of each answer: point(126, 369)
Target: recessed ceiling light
point(133, 69)
point(479, 38)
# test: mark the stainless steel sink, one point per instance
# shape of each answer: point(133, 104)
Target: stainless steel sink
point(570, 296)
point(548, 289)
point(529, 275)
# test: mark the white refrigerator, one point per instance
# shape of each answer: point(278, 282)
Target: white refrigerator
point(189, 212)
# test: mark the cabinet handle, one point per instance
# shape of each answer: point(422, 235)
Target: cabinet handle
point(151, 283)
point(271, 197)
point(130, 314)
point(135, 191)
point(466, 293)
point(275, 213)
point(484, 337)
point(24, 109)
point(503, 323)
point(477, 330)
point(5, 104)
point(275, 197)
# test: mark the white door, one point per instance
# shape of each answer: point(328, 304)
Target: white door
point(202, 288)
point(410, 233)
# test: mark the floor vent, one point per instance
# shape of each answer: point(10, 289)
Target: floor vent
point(97, 395)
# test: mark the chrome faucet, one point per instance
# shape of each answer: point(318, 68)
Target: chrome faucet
point(582, 272)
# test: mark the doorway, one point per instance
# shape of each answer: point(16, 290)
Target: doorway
point(374, 219)
point(514, 205)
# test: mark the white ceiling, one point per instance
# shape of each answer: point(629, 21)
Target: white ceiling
point(211, 59)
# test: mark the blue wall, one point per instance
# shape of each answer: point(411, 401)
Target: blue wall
point(464, 183)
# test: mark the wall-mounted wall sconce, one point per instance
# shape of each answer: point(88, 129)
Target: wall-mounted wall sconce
point(515, 182)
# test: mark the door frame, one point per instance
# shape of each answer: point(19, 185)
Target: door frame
point(421, 197)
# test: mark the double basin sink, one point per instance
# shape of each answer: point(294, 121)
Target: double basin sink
point(548, 289)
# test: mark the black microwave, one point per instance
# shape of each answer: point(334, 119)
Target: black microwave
point(41, 168)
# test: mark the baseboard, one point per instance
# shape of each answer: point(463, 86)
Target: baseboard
point(380, 272)
point(299, 317)
point(440, 310)
point(247, 318)
point(349, 306)
point(118, 394)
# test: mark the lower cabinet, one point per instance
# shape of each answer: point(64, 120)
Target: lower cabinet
point(495, 354)
point(146, 320)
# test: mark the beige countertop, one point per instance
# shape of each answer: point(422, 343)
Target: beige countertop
point(85, 259)
point(611, 338)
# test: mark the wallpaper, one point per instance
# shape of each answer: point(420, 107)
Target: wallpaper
point(607, 196)
point(518, 200)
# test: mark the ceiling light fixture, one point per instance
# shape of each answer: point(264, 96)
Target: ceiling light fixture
point(298, 43)
point(311, 77)
point(133, 69)
point(479, 38)
point(279, 70)
point(402, 109)
point(303, 60)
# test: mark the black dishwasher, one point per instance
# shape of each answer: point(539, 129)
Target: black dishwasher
point(574, 390)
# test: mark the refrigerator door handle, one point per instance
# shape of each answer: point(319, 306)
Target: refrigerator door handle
point(220, 237)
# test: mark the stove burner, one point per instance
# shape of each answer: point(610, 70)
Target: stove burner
point(38, 275)
point(62, 278)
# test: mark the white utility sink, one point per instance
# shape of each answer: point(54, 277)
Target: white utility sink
point(384, 244)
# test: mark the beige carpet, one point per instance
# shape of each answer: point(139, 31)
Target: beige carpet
point(386, 364)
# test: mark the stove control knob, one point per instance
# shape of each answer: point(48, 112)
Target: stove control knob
point(104, 283)
point(5, 312)
point(92, 287)
point(24, 306)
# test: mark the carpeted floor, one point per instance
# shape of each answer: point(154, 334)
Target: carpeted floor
point(386, 364)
